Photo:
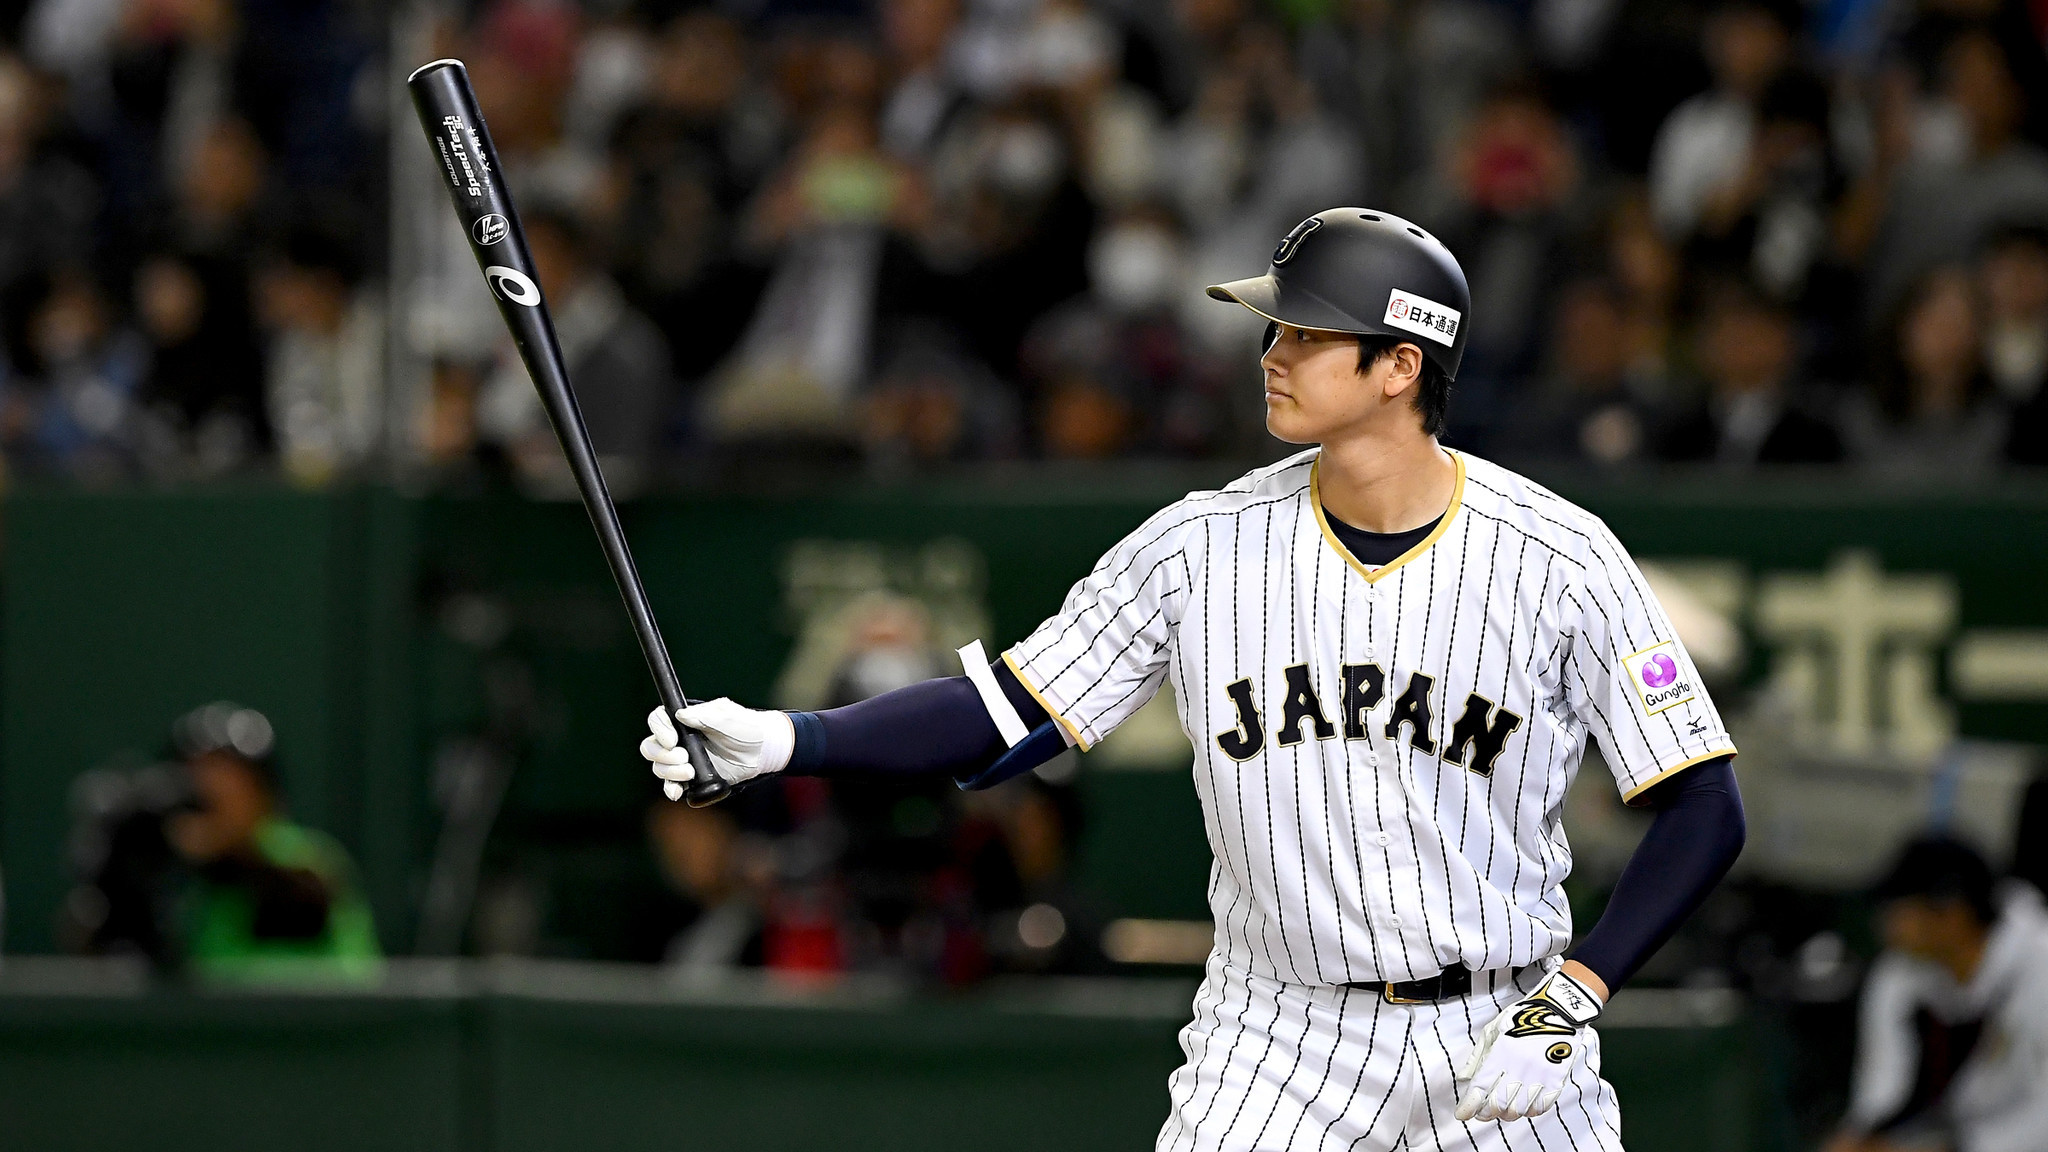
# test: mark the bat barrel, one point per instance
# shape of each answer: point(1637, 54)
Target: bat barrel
point(469, 162)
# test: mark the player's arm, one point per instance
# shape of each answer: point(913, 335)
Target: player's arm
point(1628, 678)
point(1084, 671)
point(980, 729)
point(1698, 833)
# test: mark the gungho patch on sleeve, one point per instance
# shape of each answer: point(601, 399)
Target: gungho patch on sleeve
point(1660, 678)
point(1423, 316)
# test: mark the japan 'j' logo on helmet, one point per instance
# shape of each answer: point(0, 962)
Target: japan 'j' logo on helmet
point(1291, 243)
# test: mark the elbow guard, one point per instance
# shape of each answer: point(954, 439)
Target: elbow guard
point(1043, 743)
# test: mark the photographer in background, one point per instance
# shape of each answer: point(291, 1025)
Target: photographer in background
point(193, 865)
point(1953, 1045)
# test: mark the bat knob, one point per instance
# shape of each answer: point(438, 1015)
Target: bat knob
point(707, 787)
point(705, 793)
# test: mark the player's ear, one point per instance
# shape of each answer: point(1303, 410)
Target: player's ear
point(1404, 370)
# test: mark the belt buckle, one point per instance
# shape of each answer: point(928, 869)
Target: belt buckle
point(1387, 994)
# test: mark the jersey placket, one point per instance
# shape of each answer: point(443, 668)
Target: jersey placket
point(1380, 758)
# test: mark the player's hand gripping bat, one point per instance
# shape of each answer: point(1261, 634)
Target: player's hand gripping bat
point(448, 112)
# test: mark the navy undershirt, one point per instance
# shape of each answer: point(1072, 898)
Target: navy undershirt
point(1377, 549)
point(1691, 844)
point(934, 727)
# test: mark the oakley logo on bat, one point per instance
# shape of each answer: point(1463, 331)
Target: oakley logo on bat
point(513, 285)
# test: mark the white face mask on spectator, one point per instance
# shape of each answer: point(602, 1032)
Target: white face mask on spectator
point(1133, 267)
point(1024, 159)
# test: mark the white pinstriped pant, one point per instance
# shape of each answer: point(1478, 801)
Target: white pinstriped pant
point(1315, 1068)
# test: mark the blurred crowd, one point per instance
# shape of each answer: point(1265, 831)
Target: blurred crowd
point(1735, 232)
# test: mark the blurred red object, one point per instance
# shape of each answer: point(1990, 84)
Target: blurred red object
point(802, 937)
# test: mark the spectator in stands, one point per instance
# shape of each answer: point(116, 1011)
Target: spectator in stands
point(296, 73)
point(324, 372)
point(1648, 274)
point(1950, 1050)
point(932, 401)
point(203, 396)
point(924, 86)
point(1771, 222)
point(48, 202)
point(1010, 220)
point(707, 914)
point(521, 60)
point(1940, 209)
point(1252, 155)
point(69, 406)
point(1753, 413)
point(1933, 412)
point(682, 162)
point(1514, 219)
point(1114, 367)
point(221, 213)
point(275, 900)
point(1705, 152)
point(2013, 277)
point(616, 358)
point(826, 220)
point(1589, 407)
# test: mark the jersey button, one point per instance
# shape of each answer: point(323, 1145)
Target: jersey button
point(1385, 839)
point(1395, 921)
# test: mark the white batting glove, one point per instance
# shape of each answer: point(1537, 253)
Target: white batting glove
point(1527, 1054)
point(743, 742)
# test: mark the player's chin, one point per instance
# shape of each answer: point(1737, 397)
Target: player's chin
point(1284, 419)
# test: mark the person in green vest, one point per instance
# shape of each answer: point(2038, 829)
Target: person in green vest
point(273, 900)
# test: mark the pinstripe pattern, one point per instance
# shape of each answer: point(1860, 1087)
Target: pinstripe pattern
point(1389, 855)
point(1321, 1069)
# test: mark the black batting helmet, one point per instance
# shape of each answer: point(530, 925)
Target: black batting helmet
point(1364, 271)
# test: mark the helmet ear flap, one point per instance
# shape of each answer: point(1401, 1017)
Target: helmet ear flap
point(1271, 338)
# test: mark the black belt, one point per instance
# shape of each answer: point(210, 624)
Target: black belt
point(1453, 981)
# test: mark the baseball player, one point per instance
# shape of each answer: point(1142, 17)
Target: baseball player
point(1388, 658)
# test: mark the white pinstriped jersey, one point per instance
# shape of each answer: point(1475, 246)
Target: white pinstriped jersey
point(1382, 754)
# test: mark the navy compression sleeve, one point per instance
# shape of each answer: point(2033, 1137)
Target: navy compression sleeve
point(1697, 835)
point(937, 726)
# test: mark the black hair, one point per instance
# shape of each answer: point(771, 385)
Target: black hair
point(226, 728)
point(1432, 395)
point(1787, 14)
point(2016, 235)
point(317, 245)
point(1795, 97)
point(1941, 868)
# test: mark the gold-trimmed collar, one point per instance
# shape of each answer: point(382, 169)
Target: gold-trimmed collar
point(1315, 499)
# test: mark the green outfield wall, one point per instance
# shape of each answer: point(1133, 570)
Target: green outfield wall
point(558, 1064)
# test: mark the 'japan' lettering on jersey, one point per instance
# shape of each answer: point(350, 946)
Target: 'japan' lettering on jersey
point(1381, 754)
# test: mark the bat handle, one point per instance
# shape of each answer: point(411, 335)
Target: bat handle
point(706, 786)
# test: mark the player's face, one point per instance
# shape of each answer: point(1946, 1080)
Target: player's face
point(1315, 392)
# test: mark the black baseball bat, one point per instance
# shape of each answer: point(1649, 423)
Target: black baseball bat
point(455, 127)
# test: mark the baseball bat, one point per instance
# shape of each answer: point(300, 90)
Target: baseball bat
point(448, 112)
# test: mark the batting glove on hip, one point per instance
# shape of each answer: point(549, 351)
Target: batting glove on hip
point(743, 742)
point(1528, 1053)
